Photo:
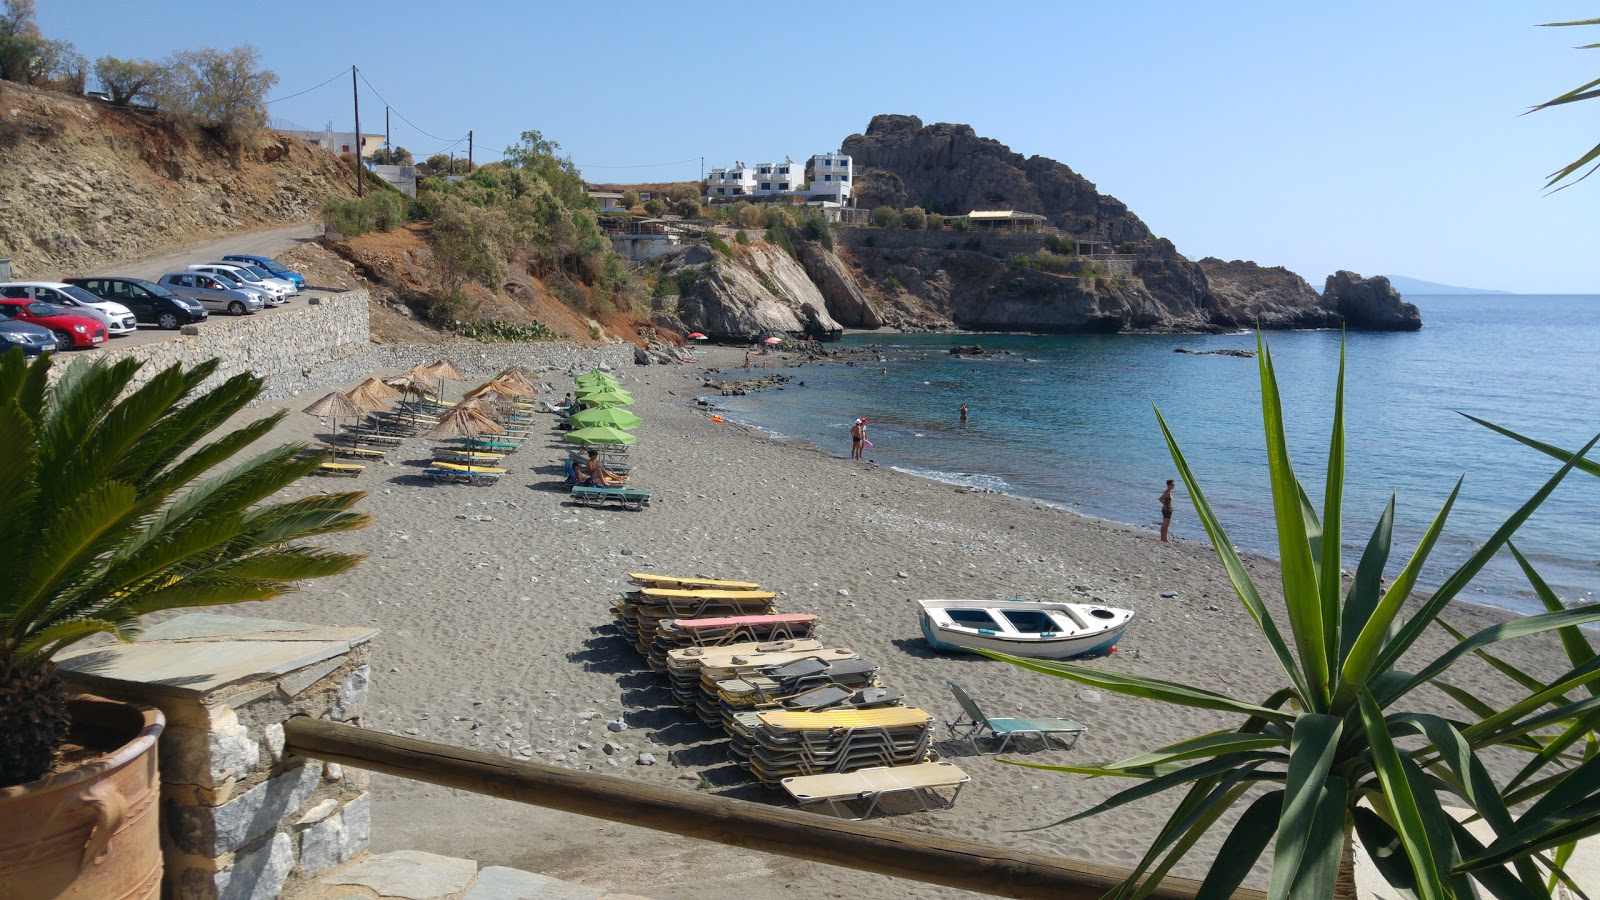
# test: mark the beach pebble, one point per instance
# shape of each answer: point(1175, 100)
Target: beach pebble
point(1212, 607)
point(584, 745)
point(611, 749)
point(1169, 594)
point(611, 762)
point(902, 574)
point(1090, 696)
point(646, 759)
point(842, 592)
point(616, 725)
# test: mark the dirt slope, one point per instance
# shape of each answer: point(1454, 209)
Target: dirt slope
point(83, 184)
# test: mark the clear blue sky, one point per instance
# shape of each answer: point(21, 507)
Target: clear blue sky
point(1375, 136)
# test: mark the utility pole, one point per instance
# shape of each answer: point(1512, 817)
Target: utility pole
point(388, 148)
point(356, 93)
point(469, 150)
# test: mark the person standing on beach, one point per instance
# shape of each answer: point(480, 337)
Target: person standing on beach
point(1166, 510)
point(963, 415)
point(858, 433)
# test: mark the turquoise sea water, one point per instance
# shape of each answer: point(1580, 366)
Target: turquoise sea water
point(1069, 420)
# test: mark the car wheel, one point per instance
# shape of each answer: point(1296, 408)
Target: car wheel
point(167, 321)
point(236, 308)
point(63, 340)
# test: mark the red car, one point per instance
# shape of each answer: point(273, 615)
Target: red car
point(70, 330)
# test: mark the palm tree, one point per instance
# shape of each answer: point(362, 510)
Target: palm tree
point(1317, 759)
point(104, 518)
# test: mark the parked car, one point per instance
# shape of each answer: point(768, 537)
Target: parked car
point(270, 278)
point(277, 293)
point(278, 269)
point(117, 319)
point(212, 291)
point(69, 328)
point(151, 303)
point(32, 339)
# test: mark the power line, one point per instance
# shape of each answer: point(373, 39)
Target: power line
point(310, 89)
point(401, 114)
point(647, 165)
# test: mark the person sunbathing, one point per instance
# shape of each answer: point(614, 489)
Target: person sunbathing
point(598, 476)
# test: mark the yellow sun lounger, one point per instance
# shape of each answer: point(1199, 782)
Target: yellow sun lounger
point(348, 470)
point(889, 717)
point(664, 594)
point(646, 579)
point(922, 781)
point(468, 469)
point(467, 456)
point(356, 452)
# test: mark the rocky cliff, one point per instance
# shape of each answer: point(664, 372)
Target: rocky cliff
point(751, 292)
point(83, 184)
point(1370, 304)
point(947, 279)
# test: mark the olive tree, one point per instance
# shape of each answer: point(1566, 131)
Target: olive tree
point(127, 80)
point(223, 90)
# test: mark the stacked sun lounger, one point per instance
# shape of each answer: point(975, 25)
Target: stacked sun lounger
point(641, 613)
point(695, 672)
point(795, 685)
point(454, 473)
point(674, 634)
point(780, 744)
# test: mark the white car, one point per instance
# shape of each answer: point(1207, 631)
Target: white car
point(268, 277)
point(118, 319)
point(275, 294)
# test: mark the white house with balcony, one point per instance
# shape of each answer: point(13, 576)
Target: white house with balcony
point(831, 176)
point(738, 180)
point(778, 178)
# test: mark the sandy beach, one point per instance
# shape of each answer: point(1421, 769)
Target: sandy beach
point(493, 604)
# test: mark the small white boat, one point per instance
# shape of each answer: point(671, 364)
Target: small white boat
point(1041, 629)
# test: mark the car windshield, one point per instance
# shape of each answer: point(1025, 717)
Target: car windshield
point(226, 282)
point(260, 271)
point(155, 289)
point(273, 266)
point(80, 295)
point(38, 308)
point(243, 273)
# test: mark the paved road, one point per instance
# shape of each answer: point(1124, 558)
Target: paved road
point(269, 242)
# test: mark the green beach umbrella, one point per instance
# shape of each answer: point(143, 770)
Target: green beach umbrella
point(613, 397)
point(613, 418)
point(597, 373)
point(599, 434)
point(601, 377)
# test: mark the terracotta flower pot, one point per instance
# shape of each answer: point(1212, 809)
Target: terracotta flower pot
point(91, 831)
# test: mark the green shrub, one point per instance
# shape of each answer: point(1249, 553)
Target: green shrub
point(743, 237)
point(779, 236)
point(446, 310)
point(885, 217)
point(688, 208)
point(816, 228)
point(687, 278)
point(655, 207)
point(747, 214)
point(630, 198)
point(500, 331)
point(718, 244)
point(777, 217)
point(378, 211)
point(935, 221)
point(961, 223)
point(1058, 244)
point(1127, 247)
point(913, 218)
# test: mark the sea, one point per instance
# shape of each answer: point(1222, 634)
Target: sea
point(1070, 421)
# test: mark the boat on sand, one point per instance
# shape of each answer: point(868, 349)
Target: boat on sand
point(1041, 629)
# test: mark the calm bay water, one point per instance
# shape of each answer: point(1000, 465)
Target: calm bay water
point(1068, 420)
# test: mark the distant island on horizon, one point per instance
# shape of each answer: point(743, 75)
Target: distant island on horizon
point(1417, 286)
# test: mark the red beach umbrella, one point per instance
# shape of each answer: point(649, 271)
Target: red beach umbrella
point(697, 336)
point(773, 340)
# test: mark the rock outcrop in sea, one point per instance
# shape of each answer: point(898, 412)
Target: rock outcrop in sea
point(1370, 304)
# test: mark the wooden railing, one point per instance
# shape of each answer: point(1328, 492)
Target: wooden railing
point(753, 826)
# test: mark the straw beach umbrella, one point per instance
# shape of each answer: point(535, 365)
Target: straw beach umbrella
point(335, 406)
point(372, 395)
point(441, 369)
point(607, 416)
point(465, 421)
point(600, 434)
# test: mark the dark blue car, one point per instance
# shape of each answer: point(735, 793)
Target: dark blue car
point(278, 269)
point(33, 339)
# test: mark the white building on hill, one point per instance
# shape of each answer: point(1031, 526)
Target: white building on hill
point(826, 179)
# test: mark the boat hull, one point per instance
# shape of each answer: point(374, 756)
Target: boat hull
point(1054, 646)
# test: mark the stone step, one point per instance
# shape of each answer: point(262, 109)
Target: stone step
point(417, 875)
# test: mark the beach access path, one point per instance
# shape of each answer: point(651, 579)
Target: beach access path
point(494, 609)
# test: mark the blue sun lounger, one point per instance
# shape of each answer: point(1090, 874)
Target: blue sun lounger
point(972, 723)
point(627, 498)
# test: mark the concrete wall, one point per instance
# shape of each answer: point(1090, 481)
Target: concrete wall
point(304, 347)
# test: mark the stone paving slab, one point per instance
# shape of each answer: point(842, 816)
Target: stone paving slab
point(412, 874)
point(196, 654)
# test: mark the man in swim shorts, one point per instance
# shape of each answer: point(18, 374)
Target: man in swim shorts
point(1166, 510)
point(858, 434)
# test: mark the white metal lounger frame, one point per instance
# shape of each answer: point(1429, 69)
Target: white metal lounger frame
point(926, 795)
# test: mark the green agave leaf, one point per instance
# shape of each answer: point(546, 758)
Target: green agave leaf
point(1462, 576)
point(1574, 823)
point(1361, 663)
point(1587, 465)
point(1243, 847)
point(1573, 22)
point(1528, 625)
point(1301, 593)
point(1397, 790)
point(1139, 686)
point(78, 535)
point(1386, 851)
point(1240, 764)
point(1527, 681)
point(1311, 755)
point(1319, 867)
point(1578, 648)
point(1501, 884)
point(1189, 831)
point(1202, 747)
point(1367, 588)
point(1231, 563)
point(1574, 678)
point(1329, 574)
point(1467, 699)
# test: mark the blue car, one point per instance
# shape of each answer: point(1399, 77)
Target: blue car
point(278, 269)
point(32, 339)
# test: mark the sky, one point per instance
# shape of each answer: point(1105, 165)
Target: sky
point(1384, 138)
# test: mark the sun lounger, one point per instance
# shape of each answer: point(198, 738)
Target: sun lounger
point(450, 473)
point(922, 781)
point(466, 457)
point(353, 452)
point(338, 469)
point(972, 724)
point(649, 580)
point(627, 498)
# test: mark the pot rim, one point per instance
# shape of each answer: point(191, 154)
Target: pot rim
point(151, 724)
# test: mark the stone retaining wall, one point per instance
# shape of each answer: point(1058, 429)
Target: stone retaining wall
point(474, 359)
point(993, 243)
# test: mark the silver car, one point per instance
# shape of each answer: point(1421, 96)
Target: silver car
point(275, 294)
point(212, 291)
point(117, 319)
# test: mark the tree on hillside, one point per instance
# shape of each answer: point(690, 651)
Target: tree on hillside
point(689, 209)
point(630, 198)
point(127, 80)
point(885, 217)
point(399, 156)
point(19, 40)
point(655, 207)
point(223, 90)
point(680, 192)
point(542, 157)
point(913, 218)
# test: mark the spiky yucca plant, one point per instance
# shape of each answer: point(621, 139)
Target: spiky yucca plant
point(104, 518)
point(1317, 760)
